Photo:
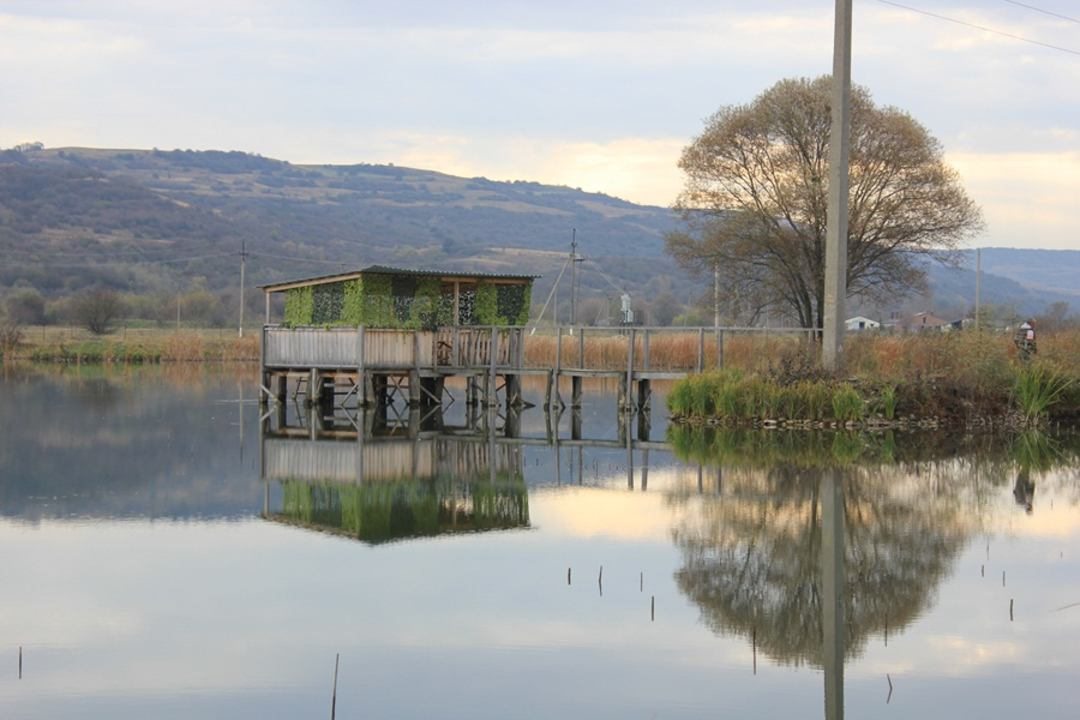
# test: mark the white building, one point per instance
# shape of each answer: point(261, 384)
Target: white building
point(859, 323)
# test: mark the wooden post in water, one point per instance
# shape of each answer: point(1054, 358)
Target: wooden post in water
point(630, 367)
point(361, 377)
point(492, 388)
point(333, 697)
point(313, 389)
point(581, 347)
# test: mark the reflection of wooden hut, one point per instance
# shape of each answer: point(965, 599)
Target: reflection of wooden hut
point(391, 490)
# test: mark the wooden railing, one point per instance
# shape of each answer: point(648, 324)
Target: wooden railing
point(309, 347)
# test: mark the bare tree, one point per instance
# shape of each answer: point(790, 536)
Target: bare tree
point(97, 310)
point(756, 195)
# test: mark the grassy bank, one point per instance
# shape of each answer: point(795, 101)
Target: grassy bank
point(144, 345)
point(894, 380)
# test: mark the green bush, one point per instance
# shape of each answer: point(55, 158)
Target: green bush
point(299, 306)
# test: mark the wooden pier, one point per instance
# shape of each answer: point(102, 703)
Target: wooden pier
point(368, 367)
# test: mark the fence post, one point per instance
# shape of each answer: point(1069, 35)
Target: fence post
point(645, 351)
point(494, 349)
point(630, 368)
point(558, 351)
point(700, 349)
point(581, 347)
point(361, 378)
point(720, 349)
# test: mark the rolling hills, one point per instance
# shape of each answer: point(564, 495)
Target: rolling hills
point(151, 221)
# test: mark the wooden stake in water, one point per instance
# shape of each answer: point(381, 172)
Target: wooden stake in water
point(1002, 578)
point(567, 576)
point(333, 698)
point(1010, 609)
point(652, 611)
point(20, 662)
point(600, 581)
point(887, 699)
point(641, 582)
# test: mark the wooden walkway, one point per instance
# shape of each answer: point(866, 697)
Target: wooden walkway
point(368, 367)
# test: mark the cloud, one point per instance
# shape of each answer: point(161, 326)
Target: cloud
point(1027, 198)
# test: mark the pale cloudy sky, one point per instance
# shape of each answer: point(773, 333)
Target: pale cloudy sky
point(600, 95)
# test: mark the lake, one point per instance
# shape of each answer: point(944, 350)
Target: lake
point(169, 553)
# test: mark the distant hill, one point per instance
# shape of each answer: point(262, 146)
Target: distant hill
point(1053, 271)
point(150, 220)
point(75, 217)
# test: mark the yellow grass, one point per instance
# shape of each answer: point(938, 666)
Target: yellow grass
point(668, 350)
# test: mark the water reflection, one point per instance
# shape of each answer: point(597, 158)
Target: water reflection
point(818, 542)
point(215, 611)
point(382, 489)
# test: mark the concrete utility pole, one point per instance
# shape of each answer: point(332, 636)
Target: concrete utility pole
point(574, 276)
point(836, 231)
point(243, 260)
point(978, 284)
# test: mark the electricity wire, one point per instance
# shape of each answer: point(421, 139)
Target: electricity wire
point(1051, 13)
point(980, 27)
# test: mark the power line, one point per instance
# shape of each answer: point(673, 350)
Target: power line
point(304, 260)
point(980, 27)
point(1044, 12)
point(106, 263)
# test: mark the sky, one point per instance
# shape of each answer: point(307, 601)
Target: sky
point(600, 95)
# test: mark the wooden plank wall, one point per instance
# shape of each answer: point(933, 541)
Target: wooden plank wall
point(327, 461)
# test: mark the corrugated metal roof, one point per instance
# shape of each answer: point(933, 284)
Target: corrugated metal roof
point(388, 270)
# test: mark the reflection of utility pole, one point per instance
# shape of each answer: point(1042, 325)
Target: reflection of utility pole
point(837, 225)
point(832, 591)
point(243, 259)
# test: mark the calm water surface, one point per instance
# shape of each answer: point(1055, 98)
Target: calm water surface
point(168, 555)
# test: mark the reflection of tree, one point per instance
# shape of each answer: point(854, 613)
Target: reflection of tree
point(751, 557)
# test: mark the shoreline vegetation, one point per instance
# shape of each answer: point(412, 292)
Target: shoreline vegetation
point(132, 346)
point(922, 380)
point(966, 379)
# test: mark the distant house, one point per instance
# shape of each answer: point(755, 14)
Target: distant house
point(921, 322)
point(860, 323)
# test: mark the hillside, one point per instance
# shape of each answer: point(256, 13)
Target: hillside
point(154, 222)
point(71, 218)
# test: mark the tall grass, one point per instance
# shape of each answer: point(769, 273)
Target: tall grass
point(1037, 389)
point(668, 350)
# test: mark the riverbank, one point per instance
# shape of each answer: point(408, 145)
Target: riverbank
point(133, 346)
point(895, 381)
